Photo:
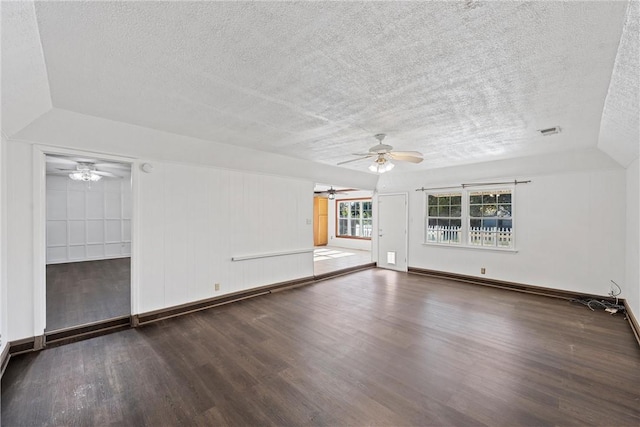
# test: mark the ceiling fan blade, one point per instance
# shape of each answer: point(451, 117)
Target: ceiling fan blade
point(405, 158)
point(53, 159)
point(113, 166)
point(355, 160)
point(407, 153)
point(67, 170)
point(109, 174)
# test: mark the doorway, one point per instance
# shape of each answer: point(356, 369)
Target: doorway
point(392, 231)
point(343, 221)
point(88, 216)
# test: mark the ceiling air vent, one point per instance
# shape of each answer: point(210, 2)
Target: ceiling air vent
point(549, 131)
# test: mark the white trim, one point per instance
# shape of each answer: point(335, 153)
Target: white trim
point(39, 242)
point(39, 227)
point(270, 254)
point(135, 237)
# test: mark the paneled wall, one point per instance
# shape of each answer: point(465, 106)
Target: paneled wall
point(194, 220)
point(87, 221)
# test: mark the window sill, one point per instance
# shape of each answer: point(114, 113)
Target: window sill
point(477, 248)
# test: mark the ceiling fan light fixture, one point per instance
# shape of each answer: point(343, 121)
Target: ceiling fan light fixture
point(85, 175)
point(381, 165)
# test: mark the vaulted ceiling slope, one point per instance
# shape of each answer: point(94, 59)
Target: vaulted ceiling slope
point(25, 87)
point(462, 82)
point(620, 129)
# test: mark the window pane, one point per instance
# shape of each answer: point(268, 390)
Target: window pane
point(367, 226)
point(342, 229)
point(366, 209)
point(475, 198)
point(456, 223)
point(456, 211)
point(433, 200)
point(355, 227)
point(433, 211)
point(504, 198)
point(443, 222)
point(344, 210)
point(504, 211)
point(475, 211)
point(433, 222)
point(489, 223)
point(443, 211)
point(355, 209)
point(456, 200)
point(489, 198)
point(489, 210)
point(444, 200)
point(505, 223)
point(475, 223)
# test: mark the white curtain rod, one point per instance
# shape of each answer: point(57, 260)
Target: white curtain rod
point(475, 184)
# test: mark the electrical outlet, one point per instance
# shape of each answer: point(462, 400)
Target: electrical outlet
point(217, 286)
point(483, 270)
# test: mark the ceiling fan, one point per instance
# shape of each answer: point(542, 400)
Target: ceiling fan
point(331, 192)
point(383, 154)
point(84, 170)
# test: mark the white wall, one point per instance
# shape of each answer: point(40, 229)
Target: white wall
point(632, 282)
point(19, 241)
point(360, 244)
point(87, 221)
point(193, 220)
point(570, 231)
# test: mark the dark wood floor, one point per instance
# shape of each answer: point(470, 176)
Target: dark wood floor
point(375, 347)
point(86, 292)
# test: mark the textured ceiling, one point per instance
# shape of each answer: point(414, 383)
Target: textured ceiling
point(462, 82)
point(620, 127)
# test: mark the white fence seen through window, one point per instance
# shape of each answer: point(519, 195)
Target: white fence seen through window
point(478, 236)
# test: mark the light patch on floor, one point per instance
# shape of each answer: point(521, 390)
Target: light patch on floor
point(324, 254)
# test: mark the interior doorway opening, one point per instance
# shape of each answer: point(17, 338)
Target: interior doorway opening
point(88, 241)
point(343, 227)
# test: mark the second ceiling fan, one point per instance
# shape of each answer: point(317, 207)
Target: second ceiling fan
point(383, 154)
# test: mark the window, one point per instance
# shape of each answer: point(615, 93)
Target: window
point(471, 218)
point(444, 218)
point(354, 218)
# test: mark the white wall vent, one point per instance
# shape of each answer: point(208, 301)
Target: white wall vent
point(549, 131)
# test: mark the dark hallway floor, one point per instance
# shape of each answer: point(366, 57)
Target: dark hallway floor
point(88, 291)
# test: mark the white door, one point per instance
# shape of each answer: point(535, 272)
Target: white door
point(392, 231)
